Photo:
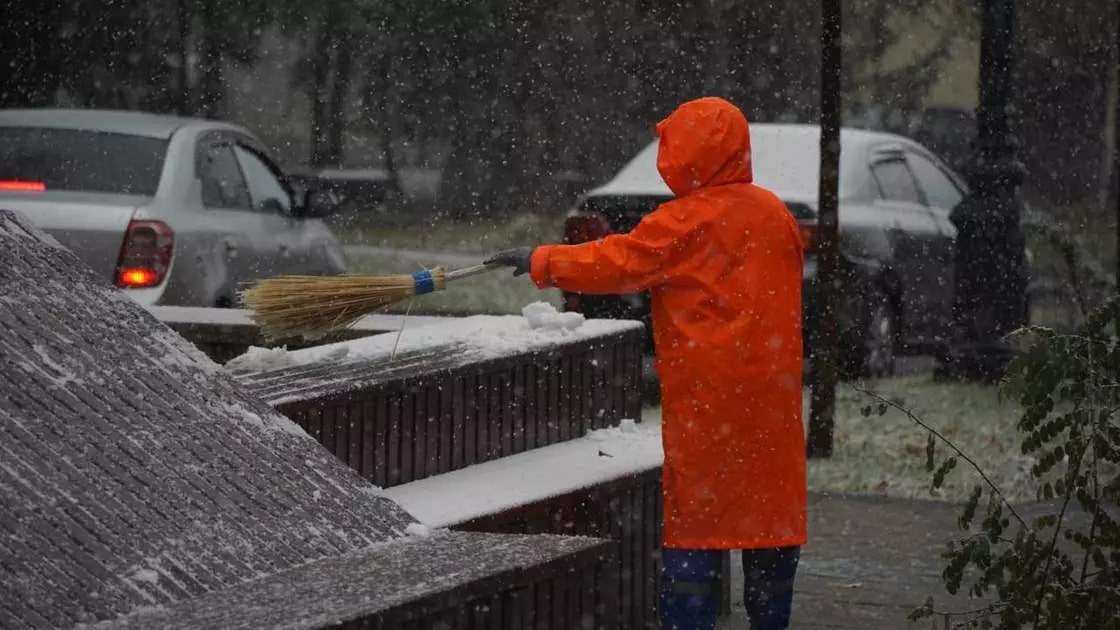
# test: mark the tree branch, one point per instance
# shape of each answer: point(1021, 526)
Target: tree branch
point(909, 414)
point(1070, 476)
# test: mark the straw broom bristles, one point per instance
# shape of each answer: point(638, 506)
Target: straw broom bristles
point(287, 307)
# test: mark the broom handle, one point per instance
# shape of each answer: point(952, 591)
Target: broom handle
point(459, 274)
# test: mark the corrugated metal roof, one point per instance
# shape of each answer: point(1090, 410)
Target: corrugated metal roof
point(134, 472)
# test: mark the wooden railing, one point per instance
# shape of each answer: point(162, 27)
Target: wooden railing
point(441, 408)
point(432, 414)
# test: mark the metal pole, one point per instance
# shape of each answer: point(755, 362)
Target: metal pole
point(823, 402)
point(990, 279)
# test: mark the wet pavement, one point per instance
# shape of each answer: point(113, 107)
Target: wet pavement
point(869, 562)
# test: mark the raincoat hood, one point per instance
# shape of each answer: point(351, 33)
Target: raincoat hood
point(704, 142)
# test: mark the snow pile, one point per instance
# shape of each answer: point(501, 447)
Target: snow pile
point(371, 490)
point(178, 353)
point(258, 359)
point(479, 337)
point(270, 420)
point(544, 316)
point(624, 428)
point(418, 530)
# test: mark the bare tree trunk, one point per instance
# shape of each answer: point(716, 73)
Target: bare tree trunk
point(31, 69)
point(331, 154)
point(385, 118)
point(1108, 172)
point(320, 79)
point(183, 25)
point(211, 85)
point(823, 403)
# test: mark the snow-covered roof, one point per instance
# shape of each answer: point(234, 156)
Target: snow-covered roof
point(326, 593)
point(140, 484)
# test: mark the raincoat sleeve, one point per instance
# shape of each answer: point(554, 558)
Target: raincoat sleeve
point(623, 263)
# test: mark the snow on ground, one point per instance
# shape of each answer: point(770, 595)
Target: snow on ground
point(885, 455)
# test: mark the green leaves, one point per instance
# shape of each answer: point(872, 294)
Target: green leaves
point(1048, 460)
point(969, 510)
point(1061, 568)
point(939, 476)
point(879, 409)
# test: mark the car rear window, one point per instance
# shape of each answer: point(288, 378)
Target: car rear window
point(84, 161)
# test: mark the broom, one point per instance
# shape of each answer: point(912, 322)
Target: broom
point(287, 307)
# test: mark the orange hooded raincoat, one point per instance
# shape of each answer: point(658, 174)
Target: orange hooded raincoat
point(723, 263)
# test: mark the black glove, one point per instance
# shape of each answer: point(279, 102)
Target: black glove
point(518, 258)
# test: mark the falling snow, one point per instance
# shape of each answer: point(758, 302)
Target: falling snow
point(450, 132)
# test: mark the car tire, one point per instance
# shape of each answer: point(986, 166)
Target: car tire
point(871, 347)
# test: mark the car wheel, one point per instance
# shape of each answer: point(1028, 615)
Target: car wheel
point(871, 349)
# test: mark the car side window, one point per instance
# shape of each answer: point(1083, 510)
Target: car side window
point(896, 183)
point(265, 188)
point(223, 186)
point(940, 190)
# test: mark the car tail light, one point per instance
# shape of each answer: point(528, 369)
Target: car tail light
point(19, 185)
point(582, 228)
point(145, 255)
point(810, 237)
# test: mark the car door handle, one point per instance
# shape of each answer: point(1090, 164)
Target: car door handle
point(230, 246)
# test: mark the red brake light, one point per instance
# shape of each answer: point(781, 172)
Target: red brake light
point(137, 277)
point(18, 185)
point(809, 237)
point(145, 255)
point(582, 228)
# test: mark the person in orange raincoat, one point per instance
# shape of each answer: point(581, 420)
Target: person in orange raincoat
point(723, 265)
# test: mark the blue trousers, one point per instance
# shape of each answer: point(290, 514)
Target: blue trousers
point(689, 587)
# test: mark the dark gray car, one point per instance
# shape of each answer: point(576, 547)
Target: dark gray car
point(896, 240)
point(174, 211)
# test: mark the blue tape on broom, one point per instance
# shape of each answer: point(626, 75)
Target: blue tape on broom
point(424, 282)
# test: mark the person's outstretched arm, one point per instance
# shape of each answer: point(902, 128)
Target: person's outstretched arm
point(620, 263)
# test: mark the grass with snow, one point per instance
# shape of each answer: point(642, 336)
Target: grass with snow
point(479, 236)
point(496, 293)
point(886, 455)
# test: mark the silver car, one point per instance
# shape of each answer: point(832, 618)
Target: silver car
point(174, 211)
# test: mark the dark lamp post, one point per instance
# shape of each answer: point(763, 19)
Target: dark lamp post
point(990, 271)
